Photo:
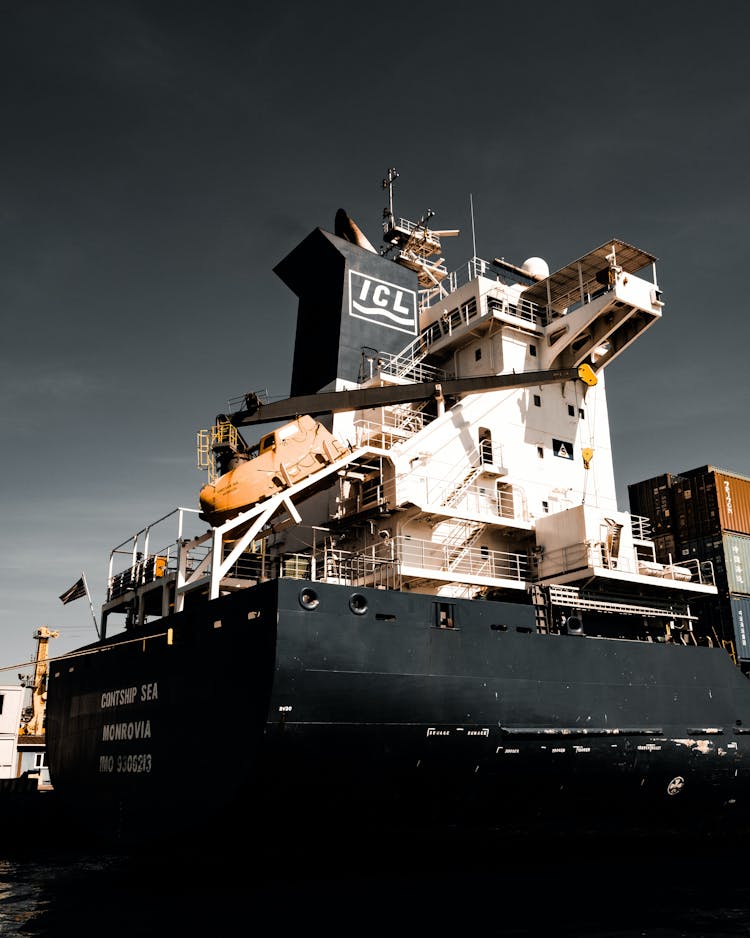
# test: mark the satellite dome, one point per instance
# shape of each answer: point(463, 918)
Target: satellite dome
point(536, 267)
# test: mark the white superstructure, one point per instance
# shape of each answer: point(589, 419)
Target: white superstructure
point(466, 491)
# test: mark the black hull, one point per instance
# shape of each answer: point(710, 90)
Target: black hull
point(332, 717)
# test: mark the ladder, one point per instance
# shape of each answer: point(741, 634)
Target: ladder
point(542, 608)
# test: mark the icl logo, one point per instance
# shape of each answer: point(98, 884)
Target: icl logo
point(383, 303)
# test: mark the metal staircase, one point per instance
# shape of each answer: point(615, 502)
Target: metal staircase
point(454, 496)
point(466, 534)
point(614, 532)
point(408, 363)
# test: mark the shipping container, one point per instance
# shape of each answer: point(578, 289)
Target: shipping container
point(740, 607)
point(709, 500)
point(695, 507)
point(733, 495)
point(665, 548)
point(736, 549)
point(653, 499)
point(692, 515)
point(708, 550)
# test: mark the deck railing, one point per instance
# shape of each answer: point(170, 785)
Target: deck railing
point(386, 564)
point(136, 562)
point(579, 556)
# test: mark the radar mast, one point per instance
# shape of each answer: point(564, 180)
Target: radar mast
point(417, 244)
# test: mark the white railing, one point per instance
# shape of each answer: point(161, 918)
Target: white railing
point(386, 564)
point(641, 527)
point(475, 496)
point(476, 267)
point(397, 424)
point(136, 562)
point(595, 554)
point(408, 363)
point(470, 561)
point(480, 499)
point(525, 310)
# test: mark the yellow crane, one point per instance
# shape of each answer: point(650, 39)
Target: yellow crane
point(34, 725)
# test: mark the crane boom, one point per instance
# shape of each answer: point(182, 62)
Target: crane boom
point(332, 402)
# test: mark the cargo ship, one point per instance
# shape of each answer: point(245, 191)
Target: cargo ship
point(406, 593)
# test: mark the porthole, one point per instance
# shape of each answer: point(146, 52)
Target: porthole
point(358, 604)
point(308, 599)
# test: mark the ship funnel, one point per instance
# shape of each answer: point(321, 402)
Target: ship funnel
point(335, 281)
point(344, 227)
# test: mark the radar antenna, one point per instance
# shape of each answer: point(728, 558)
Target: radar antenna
point(417, 244)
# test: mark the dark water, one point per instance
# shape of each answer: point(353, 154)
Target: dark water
point(402, 888)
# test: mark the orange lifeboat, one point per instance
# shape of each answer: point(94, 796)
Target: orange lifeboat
point(282, 458)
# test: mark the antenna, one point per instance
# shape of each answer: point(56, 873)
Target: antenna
point(417, 244)
point(388, 210)
point(473, 233)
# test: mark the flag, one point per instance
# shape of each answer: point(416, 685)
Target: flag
point(77, 590)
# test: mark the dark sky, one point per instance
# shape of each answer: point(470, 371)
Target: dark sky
point(158, 159)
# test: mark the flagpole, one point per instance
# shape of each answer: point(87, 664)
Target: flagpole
point(91, 605)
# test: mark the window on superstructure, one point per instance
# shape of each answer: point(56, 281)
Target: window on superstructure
point(545, 507)
point(571, 410)
point(477, 354)
point(444, 617)
point(540, 452)
point(469, 309)
point(537, 400)
point(581, 413)
point(2, 700)
point(532, 351)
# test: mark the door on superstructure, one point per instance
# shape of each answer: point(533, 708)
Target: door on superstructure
point(485, 446)
point(505, 500)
